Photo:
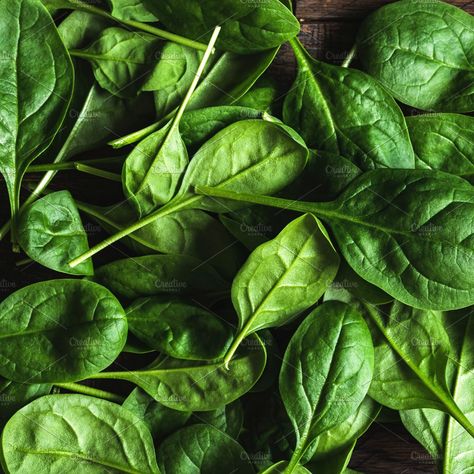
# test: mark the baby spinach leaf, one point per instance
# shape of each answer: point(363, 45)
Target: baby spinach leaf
point(132, 10)
point(324, 375)
point(179, 329)
point(281, 468)
point(335, 446)
point(202, 449)
point(50, 232)
point(412, 353)
point(422, 53)
point(120, 59)
point(38, 84)
point(153, 170)
point(160, 420)
point(394, 227)
point(283, 277)
point(198, 386)
point(227, 419)
point(346, 112)
point(262, 96)
point(440, 434)
point(251, 27)
point(151, 275)
point(443, 142)
point(59, 331)
point(72, 432)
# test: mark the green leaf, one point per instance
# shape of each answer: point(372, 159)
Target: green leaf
point(202, 449)
point(252, 27)
point(443, 142)
point(179, 329)
point(160, 420)
point(440, 434)
point(38, 84)
point(153, 169)
point(412, 352)
point(60, 331)
point(325, 376)
point(422, 53)
point(151, 275)
point(121, 59)
point(281, 468)
point(283, 277)
point(75, 432)
point(346, 112)
point(198, 386)
point(262, 96)
point(50, 232)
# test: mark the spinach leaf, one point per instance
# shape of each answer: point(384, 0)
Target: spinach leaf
point(262, 96)
point(72, 432)
point(252, 27)
point(227, 419)
point(189, 232)
point(412, 354)
point(443, 437)
point(324, 375)
point(202, 449)
point(443, 142)
point(422, 53)
point(179, 329)
point(198, 386)
point(50, 232)
point(132, 10)
point(151, 275)
point(120, 59)
point(59, 331)
point(335, 446)
point(346, 112)
point(283, 277)
point(394, 227)
point(160, 420)
point(281, 468)
point(38, 84)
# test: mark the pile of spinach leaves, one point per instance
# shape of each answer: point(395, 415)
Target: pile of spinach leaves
point(275, 273)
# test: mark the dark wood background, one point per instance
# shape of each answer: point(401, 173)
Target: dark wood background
point(328, 31)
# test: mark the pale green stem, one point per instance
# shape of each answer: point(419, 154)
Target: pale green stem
point(350, 57)
point(98, 172)
point(93, 392)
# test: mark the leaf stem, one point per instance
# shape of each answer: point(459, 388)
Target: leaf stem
point(350, 56)
point(93, 392)
point(83, 6)
point(71, 165)
point(138, 135)
point(98, 172)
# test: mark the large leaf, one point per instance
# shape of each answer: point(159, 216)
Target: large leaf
point(325, 375)
point(202, 449)
point(346, 112)
point(423, 53)
point(59, 331)
point(67, 433)
point(37, 82)
point(50, 232)
point(251, 26)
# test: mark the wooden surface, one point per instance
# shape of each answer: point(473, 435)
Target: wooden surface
point(328, 31)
